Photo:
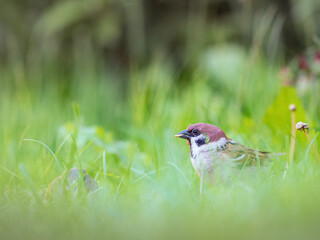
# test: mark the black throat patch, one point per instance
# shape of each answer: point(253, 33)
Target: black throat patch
point(200, 142)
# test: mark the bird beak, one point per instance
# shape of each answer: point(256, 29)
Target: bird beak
point(183, 134)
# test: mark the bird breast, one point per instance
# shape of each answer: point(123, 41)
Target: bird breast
point(207, 157)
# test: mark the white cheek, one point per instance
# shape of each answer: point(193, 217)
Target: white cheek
point(195, 139)
point(208, 147)
point(194, 146)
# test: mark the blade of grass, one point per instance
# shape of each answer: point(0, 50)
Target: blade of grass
point(309, 147)
point(181, 173)
point(46, 146)
point(12, 173)
point(104, 164)
point(87, 146)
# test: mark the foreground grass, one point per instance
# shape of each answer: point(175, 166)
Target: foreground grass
point(147, 187)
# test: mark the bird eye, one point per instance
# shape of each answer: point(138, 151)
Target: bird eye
point(195, 131)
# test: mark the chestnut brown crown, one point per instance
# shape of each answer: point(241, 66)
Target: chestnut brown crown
point(214, 133)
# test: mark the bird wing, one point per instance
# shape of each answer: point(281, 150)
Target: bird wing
point(245, 156)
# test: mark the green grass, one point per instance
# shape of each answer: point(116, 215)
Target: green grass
point(123, 137)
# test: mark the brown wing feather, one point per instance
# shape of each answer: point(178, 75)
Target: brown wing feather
point(245, 156)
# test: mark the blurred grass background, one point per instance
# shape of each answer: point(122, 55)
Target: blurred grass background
point(106, 84)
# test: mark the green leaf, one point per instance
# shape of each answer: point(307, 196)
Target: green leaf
point(76, 109)
point(278, 115)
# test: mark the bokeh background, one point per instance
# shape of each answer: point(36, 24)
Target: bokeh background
point(103, 85)
point(117, 34)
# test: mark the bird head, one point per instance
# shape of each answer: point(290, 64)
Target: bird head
point(201, 133)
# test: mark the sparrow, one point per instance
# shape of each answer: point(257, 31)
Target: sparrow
point(214, 155)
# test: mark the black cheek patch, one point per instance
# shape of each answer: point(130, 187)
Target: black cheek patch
point(200, 142)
